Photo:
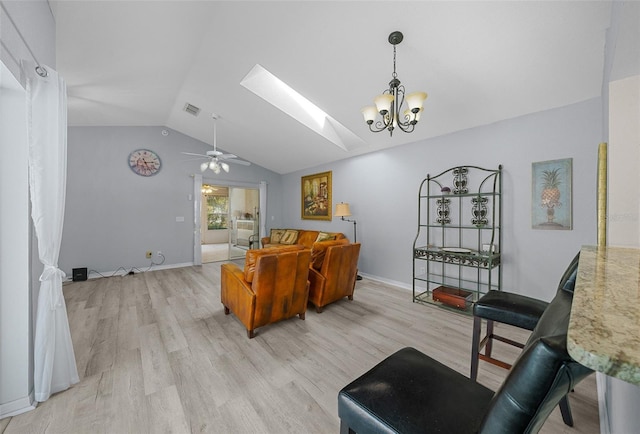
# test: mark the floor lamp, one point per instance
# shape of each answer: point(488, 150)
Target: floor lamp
point(342, 211)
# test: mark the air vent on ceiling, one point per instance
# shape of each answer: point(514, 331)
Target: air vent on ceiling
point(191, 109)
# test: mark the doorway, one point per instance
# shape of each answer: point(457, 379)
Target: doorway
point(230, 222)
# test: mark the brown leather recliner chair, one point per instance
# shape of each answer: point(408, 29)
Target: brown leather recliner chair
point(273, 286)
point(333, 276)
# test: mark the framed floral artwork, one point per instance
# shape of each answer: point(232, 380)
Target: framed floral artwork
point(316, 196)
point(551, 200)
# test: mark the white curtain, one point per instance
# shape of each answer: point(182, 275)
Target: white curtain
point(54, 361)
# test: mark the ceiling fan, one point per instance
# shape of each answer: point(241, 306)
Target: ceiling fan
point(217, 160)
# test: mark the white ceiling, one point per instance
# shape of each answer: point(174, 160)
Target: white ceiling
point(138, 63)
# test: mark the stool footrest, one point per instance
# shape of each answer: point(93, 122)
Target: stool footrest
point(493, 361)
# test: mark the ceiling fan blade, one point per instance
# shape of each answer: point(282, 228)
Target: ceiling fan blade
point(227, 156)
point(240, 162)
point(197, 155)
point(193, 159)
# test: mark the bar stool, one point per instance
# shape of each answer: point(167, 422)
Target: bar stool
point(514, 310)
point(506, 308)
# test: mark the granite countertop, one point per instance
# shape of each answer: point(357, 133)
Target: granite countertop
point(604, 328)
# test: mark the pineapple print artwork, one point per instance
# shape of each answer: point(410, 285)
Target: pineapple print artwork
point(552, 194)
point(550, 197)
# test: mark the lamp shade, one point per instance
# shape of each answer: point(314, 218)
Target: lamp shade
point(204, 166)
point(369, 113)
point(383, 102)
point(342, 210)
point(415, 100)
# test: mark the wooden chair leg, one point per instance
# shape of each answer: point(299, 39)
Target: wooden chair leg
point(250, 334)
point(489, 346)
point(226, 310)
point(302, 315)
point(319, 309)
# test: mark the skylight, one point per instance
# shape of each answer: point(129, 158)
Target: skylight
point(279, 94)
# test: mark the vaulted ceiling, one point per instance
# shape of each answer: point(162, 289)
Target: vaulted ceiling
point(139, 63)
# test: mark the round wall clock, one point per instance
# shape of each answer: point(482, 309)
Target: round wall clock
point(144, 162)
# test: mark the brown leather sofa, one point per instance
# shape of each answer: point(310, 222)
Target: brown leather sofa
point(332, 276)
point(304, 237)
point(273, 286)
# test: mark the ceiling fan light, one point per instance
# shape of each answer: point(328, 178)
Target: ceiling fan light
point(225, 167)
point(415, 100)
point(369, 114)
point(204, 166)
point(383, 103)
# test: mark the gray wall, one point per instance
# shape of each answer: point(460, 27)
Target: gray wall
point(382, 189)
point(114, 216)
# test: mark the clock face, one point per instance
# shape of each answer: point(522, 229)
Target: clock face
point(144, 162)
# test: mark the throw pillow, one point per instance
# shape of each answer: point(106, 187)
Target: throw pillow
point(289, 237)
point(325, 236)
point(276, 235)
point(319, 251)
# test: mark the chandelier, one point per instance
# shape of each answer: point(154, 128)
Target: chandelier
point(390, 102)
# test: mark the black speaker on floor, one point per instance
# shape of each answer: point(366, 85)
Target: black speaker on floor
point(79, 274)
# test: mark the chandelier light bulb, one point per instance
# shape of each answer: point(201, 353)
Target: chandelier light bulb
point(204, 166)
point(225, 167)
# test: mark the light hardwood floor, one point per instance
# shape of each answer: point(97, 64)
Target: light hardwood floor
point(156, 353)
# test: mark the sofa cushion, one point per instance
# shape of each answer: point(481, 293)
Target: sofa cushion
point(307, 237)
point(289, 237)
point(252, 255)
point(319, 251)
point(325, 236)
point(276, 235)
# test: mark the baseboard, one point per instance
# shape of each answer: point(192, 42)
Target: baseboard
point(396, 283)
point(94, 275)
point(18, 406)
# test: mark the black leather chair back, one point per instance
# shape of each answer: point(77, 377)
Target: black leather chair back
point(543, 373)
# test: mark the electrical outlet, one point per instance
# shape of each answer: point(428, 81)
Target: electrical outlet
point(159, 253)
point(149, 253)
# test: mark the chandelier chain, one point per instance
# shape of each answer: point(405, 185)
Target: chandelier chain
point(394, 75)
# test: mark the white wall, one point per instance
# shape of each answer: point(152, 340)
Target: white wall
point(15, 297)
point(19, 267)
point(382, 190)
point(619, 400)
point(624, 161)
point(36, 24)
point(114, 216)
